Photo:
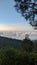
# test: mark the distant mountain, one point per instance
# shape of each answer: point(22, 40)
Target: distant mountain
point(4, 41)
point(35, 41)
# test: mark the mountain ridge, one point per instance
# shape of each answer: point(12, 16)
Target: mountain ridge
point(4, 41)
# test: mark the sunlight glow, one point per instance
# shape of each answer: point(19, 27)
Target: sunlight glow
point(15, 28)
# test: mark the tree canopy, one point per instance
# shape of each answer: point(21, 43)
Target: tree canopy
point(27, 44)
point(28, 9)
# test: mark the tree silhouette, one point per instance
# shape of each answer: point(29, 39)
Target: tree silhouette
point(26, 36)
point(27, 44)
point(28, 9)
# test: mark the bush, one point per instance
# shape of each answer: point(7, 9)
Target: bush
point(10, 56)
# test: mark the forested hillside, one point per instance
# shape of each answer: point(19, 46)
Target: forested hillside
point(10, 42)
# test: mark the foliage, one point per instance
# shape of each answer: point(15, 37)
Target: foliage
point(10, 56)
point(27, 45)
point(28, 9)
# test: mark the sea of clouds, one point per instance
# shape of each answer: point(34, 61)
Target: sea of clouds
point(19, 34)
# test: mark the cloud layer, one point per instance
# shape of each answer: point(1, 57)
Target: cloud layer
point(19, 35)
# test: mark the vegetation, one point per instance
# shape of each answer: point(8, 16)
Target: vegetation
point(10, 42)
point(27, 45)
point(28, 9)
point(26, 54)
point(10, 56)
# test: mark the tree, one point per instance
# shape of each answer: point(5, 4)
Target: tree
point(27, 44)
point(28, 9)
point(26, 36)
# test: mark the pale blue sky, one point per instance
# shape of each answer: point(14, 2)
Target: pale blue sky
point(9, 16)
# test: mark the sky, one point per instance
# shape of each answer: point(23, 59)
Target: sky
point(10, 20)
